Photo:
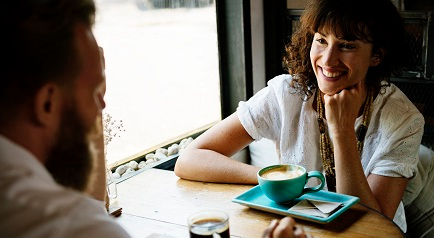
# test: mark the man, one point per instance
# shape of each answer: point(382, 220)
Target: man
point(51, 96)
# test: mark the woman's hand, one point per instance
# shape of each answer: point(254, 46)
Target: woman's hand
point(285, 228)
point(343, 108)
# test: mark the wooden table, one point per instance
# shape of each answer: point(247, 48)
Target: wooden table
point(156, 203)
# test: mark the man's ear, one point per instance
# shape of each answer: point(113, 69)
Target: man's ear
point(377, 57)
point(47, 103)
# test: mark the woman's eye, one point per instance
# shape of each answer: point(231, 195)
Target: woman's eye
point(347, 46)
point(321, 41)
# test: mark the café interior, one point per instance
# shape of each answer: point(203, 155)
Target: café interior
point(251, 38)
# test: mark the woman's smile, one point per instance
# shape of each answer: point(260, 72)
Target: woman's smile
point(331, 74)
point(339, 63)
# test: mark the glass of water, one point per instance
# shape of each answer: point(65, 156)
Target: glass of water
point(111, 186)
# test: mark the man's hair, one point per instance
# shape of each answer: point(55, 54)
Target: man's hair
point(38, 47)
point(374, 21)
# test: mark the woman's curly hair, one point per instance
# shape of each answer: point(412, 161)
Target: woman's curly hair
point(374, 21)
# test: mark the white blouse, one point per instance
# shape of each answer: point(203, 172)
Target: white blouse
point(391, 143)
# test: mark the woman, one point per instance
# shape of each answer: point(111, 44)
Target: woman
point(336, 111)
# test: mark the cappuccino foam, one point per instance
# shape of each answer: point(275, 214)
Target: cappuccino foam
point(281, 174)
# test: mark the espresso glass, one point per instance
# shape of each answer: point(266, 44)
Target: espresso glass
point(209, 223)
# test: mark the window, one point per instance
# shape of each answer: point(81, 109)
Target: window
point(162, 71)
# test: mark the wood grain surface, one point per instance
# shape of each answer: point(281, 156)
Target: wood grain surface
point(156, 203)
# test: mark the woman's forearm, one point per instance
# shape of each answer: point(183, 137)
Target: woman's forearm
point(210, 166)
point(350, 178)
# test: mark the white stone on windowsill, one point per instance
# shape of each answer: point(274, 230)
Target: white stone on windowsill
point(150, 156)
point(161, 151)
point(141, 165)
point(159, 156)
point(133, 165)
point(121, 169)
point(173, 150)
point(151, 160)
point(129, 170)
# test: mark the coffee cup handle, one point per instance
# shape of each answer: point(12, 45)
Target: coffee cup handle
point(318, 175)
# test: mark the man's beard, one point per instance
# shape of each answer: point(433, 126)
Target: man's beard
point(71, 159)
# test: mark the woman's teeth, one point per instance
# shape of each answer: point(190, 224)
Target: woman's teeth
point(332, 75)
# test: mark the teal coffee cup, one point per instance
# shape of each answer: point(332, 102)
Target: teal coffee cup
point(283, 183)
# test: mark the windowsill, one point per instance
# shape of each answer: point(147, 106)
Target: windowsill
point(162, 164)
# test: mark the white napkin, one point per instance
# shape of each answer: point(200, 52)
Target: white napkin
point(315, 207)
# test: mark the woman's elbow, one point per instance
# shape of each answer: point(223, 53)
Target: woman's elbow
point(178, 169)
point(182, 165)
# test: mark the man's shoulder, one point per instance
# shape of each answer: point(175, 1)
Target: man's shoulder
point(30, 205)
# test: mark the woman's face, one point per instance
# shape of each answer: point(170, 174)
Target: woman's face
point(338, 63)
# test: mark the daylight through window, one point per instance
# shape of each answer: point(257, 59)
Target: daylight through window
point(162, 71)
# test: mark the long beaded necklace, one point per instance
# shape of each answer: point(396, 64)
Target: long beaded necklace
point(326, 149)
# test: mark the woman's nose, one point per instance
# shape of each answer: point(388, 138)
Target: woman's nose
point(331, 56)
